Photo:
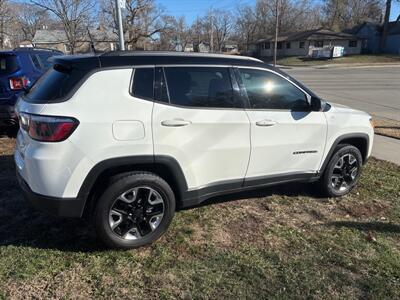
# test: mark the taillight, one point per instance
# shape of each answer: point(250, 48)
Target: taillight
point(47, 128)
point(19, 83)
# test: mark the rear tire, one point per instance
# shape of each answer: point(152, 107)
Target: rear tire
point(342, 172)
point(135, 210)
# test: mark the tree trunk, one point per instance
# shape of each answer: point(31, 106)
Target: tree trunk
point(385, 26)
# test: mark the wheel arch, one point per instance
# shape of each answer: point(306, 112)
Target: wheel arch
point(164, 166)
point(358, 140)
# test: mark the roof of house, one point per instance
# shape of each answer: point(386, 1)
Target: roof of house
point(316, 34)
point(394, 27)
point(58, 36)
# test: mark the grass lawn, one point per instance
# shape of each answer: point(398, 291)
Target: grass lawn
point(387, 127)
point(276, 243)
point(356, 59)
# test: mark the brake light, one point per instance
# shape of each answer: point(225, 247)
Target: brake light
point(47, 128)
point(19, 83)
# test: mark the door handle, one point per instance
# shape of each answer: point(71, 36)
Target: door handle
point(175, 123)
point(265, 123)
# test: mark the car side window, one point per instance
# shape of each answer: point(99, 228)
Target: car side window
point(266, 90)
point(44, 58)
point(143, 83)
point(201, 87)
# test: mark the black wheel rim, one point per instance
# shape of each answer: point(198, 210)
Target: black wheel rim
point(136, 213)
point(345, 172)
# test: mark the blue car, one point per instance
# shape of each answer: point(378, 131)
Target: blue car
point(19, 70)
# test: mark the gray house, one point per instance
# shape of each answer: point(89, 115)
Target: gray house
point(102, 40)
point(301, 43)
point(371, 34)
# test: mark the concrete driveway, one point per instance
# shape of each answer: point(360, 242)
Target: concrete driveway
point(374, 89)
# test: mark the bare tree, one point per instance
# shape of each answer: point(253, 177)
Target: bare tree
point(143, 21)
point(30, 18)
point(246, 26)
point(385, 29)
point(5, 19)
point(75, 15)
point(342, 14)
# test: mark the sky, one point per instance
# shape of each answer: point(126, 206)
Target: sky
point(193, 8)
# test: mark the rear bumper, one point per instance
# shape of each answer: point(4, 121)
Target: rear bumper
point(61, 207)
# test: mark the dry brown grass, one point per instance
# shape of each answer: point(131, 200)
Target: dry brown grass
point(387, 127)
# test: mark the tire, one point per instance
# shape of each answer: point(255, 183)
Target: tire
point(114, 207)
point(331, 173)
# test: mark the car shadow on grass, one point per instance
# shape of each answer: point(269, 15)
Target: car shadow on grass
point(367, 226)
point(22, 225)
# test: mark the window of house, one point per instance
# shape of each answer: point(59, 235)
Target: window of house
point(352, 44)
point(288, 45)
point(318, 44)
point(267, 90)
point(279, 45)
point(268, 45)
point(301, 44)
point(112, 47)
point(67, 48)
point(143, 83)
point(201, 87)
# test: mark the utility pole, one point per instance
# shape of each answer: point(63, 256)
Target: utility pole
point(212, 32)
point(276, 30)
point(120, 28)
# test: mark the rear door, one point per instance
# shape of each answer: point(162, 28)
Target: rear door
point(200, 121)
point(287, 137)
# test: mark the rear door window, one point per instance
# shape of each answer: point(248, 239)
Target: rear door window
point(56, 84)
point(201, 87)
point(8, 64)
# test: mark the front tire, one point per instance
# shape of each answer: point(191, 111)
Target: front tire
point(134, 211)
point(342, 172)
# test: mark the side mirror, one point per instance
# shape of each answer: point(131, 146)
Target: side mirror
point(315, 104)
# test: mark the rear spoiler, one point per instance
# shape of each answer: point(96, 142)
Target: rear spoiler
point(81, 62)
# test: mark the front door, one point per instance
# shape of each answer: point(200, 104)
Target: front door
point(287, 137)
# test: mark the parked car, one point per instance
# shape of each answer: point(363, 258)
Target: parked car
point(19, 69)
point(129, 138)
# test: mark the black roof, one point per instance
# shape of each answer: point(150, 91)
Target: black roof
point(137, 58)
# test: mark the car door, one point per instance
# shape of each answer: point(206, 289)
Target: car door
point(287, 138)
point(200, 121)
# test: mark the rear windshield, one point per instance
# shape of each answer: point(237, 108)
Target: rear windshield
point(56, 84)
point(8, 64)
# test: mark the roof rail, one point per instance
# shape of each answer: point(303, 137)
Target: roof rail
point(36, 48)
point(175, 53)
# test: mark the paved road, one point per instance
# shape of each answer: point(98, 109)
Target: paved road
point(372, 89)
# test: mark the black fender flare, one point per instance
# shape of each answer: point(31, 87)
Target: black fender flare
point(340, 139)
point(138, 160)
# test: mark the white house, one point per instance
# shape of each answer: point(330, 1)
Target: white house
point(298, 44)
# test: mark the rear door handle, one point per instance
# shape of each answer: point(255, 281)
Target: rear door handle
point(265, 123)
point(175, 123)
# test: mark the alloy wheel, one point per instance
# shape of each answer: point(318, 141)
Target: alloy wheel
point(136, 213)
point(344, 172)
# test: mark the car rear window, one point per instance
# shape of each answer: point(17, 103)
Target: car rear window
point(8, 64)
point(56, 84)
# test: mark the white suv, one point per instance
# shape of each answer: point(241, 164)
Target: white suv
point(129, 138)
